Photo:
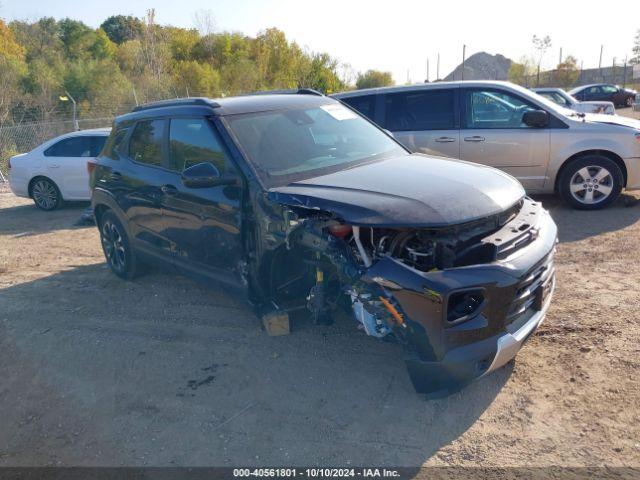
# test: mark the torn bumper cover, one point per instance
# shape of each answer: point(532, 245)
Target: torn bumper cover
point(504, 302)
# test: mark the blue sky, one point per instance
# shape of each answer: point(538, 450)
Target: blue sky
point(397, 36)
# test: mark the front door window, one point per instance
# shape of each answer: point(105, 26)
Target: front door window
point(495, 109)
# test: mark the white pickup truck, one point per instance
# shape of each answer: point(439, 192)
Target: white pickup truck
point(562, 98)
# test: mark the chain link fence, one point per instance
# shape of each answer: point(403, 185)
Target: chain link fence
point(25, 137)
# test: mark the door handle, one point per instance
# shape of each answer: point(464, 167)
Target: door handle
point(115, 176)
point(475, 138)
point(54, 165)
point(169, 190)
point(445, 139)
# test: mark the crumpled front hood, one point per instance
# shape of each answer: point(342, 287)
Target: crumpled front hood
point(406, 191)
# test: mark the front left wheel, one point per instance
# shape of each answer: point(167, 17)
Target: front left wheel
point(116, 247)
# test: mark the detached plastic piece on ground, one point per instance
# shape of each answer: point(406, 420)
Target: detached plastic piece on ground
point(276, 323)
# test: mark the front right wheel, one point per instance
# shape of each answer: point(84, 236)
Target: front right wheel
point(591, 182)
point(116, 247)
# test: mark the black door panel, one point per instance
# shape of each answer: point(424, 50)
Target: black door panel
point(202, 224)
point(142, 177)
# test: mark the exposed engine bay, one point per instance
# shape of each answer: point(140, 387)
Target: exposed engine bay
point(433, 289)
point(342, 253)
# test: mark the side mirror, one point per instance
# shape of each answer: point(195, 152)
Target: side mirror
point(536, 118)
point(203, 175)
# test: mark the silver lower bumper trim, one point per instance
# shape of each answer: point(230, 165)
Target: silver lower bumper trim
point(510, 343)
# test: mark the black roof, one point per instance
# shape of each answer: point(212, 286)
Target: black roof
point(198, 106)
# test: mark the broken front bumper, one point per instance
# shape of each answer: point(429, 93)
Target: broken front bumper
point(517, 291)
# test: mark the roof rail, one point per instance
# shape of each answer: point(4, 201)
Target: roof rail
point(289, 91)
point(178, 102)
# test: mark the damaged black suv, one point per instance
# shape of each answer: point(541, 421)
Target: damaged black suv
point(300, 202)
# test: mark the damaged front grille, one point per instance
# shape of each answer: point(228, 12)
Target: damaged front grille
point(529, 291)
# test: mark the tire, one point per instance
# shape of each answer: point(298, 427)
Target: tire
point(629, 102)
point(45, 194)
point(116, 247)
point(591, 182)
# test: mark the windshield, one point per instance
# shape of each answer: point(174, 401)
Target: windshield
point(291, 145)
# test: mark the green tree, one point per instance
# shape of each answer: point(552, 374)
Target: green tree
point(182, 43)
point(77, 38)
point(521, 71)
point(240, 76)
point(102, 47)
point(40, 39)
point(121, 28)
point(196, 79)
point(374, 78)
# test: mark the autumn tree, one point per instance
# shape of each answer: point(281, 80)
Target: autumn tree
point(636, 49)
point(129, 59)
point(12, 70)
point(567, 72)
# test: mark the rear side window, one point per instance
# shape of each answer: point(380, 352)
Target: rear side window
point(365, 104)
point(114, 142)
point(193, 141)
point(71, 147)
point(145, 145)
point(421, 110)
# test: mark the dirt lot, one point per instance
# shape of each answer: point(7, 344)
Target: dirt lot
point(162, 371)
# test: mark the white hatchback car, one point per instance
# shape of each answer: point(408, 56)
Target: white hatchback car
point(57, 170)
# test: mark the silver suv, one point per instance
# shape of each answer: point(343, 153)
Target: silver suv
point(587, 158)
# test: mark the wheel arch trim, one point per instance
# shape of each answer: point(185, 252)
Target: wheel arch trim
point(102, 200)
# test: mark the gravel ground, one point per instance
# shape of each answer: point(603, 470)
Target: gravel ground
point(161, 371)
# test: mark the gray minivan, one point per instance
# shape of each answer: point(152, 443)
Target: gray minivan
point(587, 158)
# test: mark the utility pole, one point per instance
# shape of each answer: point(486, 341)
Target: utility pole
point(560, 59)
point(600, 62)
point(427, 71)
point(438, 68)
point(613, 71)
point(464, 54)
point(624, 75)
